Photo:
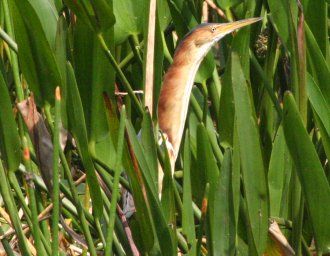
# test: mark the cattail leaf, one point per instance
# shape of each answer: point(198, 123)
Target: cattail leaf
point(9, 138)
point(256, 192)
point(206, 162)
point(224, 218)
point(77, 127)
point(97, 14)
point(103, 11)
point(149, 145)
point(318, 64)
point(129, 18)
point(188, 224)
point(320, 105)
point(278, 174)
point(283, 12)
point(162, 228)
point(35, 53)
point(315, 12)
point(95, 76)
point(141, 158)
point(227, 108)
point(310, 172)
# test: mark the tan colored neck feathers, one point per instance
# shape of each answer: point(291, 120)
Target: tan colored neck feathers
point(175, 93)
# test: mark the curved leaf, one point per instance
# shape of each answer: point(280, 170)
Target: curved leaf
point(9, 138)
point(254, 179)
point(77, 127)
point(314, 183)
point(34, 51)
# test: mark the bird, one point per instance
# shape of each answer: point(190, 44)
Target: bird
point(178, 81)
point(176, 88)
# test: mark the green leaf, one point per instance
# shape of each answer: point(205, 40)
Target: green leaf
point(321, 106)
point(129, 18)
point(104, 13)
point(224, 219)
point(48, 17)
point(236, 175)
point(35, 54)
point(240, 45)
point(321, 72)
point(78, 129)
point(97, 14)
point(162, 228)
point(278, 174)
point(95, 75)
point(282, 18)
point(254, 179)
point(141, 158)
point(188, 224)
point(82, 12)
point(149, 145)
point(206, 163)
point(315, 12)
point(143, 213)
point(60, 51)
point(168, 201)
point(9, 138)
point(312, 177)
point(228, 3)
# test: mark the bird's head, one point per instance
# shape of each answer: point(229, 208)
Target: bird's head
point(203, 37)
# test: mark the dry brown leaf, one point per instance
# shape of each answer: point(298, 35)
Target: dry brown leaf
point(40, 137)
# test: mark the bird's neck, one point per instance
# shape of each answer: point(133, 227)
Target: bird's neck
point(175, 95)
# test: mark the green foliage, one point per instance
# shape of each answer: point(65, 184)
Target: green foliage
point(252, 153)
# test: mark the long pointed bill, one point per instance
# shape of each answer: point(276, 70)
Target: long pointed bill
point(226, 28)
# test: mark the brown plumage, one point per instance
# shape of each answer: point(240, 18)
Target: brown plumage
point(179, 79)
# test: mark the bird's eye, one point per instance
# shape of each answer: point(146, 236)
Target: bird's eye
point(212, 29)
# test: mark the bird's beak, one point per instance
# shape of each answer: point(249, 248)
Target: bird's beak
point(226, 28)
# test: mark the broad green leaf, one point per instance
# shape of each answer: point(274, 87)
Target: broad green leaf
point(281, 16)
point(60, 51)
point(254, 179)
point(240, 45)
point(224, 218)
point(103, 11)
point(321, 106)
point(143, 214)
point(168, 200)
point(129, 18)
point(141, 158)
point(149, 145)
point(94, 76)
point(324, 135)
point(236, 175)
point(48, 17)
point(162, 228)
point(97, 14)
point(315, 12)
point(207, 163)
point(227, 3)
point(188, 224)
point(77, 127)
point(164, 15)
point(35, 54)
point(81, 12)
point(311, 174)
point(9, 138)
point(318, 64)
point(277, 174)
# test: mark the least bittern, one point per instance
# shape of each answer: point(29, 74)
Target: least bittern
point(178, 81)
